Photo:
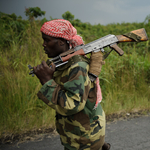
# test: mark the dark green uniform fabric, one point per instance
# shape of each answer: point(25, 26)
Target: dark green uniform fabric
point(73, 96)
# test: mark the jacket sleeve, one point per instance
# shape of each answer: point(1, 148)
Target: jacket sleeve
point(70, 97)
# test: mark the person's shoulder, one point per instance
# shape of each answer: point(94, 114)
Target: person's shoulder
point(79, 61)
point(82, 64)
point(77, 67)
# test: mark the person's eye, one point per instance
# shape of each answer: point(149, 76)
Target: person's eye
point(46, 40)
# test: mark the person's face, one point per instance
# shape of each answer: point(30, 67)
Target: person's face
point(52, 46)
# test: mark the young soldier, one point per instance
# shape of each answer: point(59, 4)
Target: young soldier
point(69, 90)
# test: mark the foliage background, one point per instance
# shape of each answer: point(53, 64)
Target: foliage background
point(125, 81)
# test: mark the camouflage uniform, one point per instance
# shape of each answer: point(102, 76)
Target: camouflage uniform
point(73, 96)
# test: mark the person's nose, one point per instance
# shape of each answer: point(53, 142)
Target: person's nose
point(44, 44)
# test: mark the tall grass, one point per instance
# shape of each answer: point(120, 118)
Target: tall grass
point(124, 81)
point(20, 108)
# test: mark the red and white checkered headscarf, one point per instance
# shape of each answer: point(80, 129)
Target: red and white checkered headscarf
point(61, 28)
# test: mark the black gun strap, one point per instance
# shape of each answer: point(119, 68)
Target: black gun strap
point(133, 36)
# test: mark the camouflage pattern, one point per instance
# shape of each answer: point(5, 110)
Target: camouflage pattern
point(73, 96)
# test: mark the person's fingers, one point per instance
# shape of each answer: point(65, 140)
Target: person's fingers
point(34, 69)
point(44, 64)
point(38, 67)
point(53, 66)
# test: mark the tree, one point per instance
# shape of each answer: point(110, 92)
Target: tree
point(34, 12)
point(68, 16)
point(147, 19)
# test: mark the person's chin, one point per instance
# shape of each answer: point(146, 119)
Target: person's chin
point(50, 56)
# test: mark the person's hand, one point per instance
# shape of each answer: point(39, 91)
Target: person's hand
point(43, 72)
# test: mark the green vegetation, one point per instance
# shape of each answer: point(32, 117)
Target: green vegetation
point(125, 81)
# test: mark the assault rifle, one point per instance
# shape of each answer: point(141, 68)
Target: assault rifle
point(98, 45)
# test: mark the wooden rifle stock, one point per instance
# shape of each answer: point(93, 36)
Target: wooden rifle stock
point(139, 32)
point(138, 35)
point(79, 52)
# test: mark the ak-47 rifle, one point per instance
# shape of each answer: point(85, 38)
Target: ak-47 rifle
point(98, 45)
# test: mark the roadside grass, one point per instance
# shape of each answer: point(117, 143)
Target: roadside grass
point(125, 83)
point(20, 108)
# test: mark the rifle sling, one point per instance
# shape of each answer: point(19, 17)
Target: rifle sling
point(133, 36)
point(73, 60)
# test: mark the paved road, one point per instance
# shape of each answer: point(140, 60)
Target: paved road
point(132, 134)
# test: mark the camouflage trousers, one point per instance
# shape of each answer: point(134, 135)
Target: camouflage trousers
point(96, 144)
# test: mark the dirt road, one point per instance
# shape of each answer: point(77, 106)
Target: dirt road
point(129, 134)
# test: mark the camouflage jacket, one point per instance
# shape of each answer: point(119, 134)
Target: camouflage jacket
point(73, 96)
